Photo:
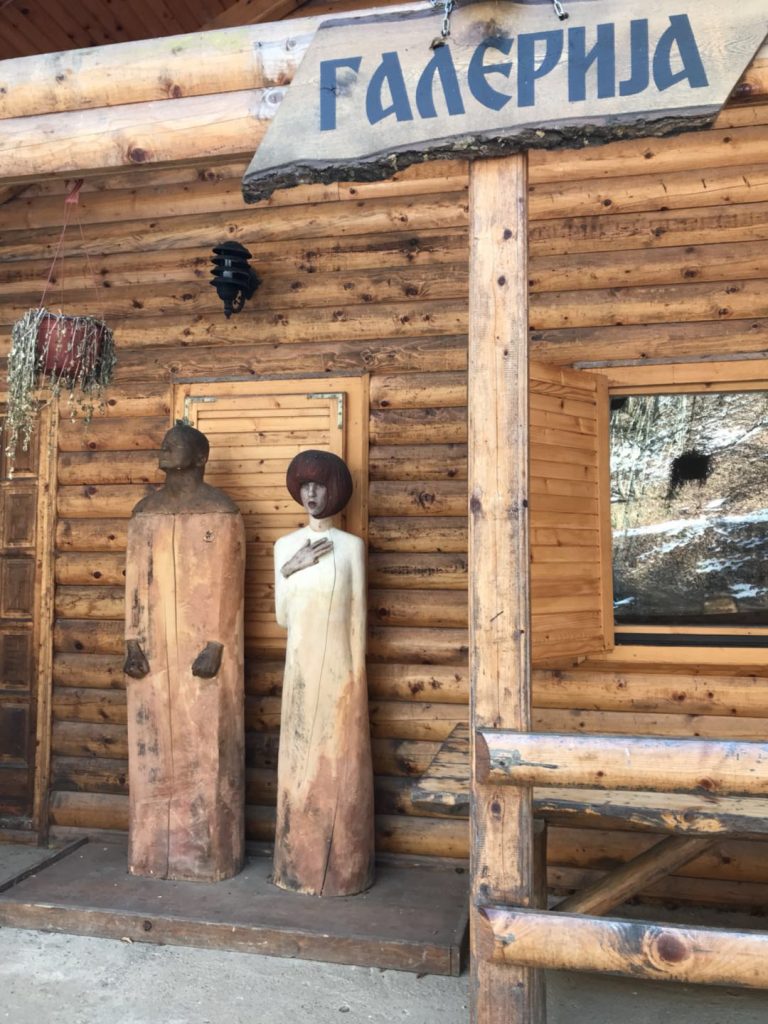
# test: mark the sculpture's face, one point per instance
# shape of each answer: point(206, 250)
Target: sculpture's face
point(177, 451)
point(314, 498)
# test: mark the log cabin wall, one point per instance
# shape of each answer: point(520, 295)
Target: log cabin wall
point(650, 250)
point(359, 279)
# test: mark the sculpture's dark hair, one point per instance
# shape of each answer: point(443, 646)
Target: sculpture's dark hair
point(321, 468)
point(197, 438)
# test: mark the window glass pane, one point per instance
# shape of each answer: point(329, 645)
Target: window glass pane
point(689, 508)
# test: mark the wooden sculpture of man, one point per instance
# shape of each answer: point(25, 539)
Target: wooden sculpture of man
point(184, 658)
point(324, 835)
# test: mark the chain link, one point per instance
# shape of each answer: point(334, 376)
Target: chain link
point(447, 7)
point(560, 11)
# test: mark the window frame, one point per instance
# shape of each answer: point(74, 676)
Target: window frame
point(702, 377)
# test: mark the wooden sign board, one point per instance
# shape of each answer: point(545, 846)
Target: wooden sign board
point(376, 94)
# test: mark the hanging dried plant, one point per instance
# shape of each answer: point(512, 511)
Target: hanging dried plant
point(63, 353)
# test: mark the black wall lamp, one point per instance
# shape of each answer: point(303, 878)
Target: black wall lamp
point(233, 278)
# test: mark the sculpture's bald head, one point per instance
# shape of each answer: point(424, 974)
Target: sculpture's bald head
point(183, 447)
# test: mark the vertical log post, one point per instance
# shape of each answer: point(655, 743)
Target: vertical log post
point(499, 647)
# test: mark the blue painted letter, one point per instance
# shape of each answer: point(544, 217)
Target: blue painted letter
point(639, 70)
point(603, 53)
point(442, 65)
point(478, 72)
point(679, 32)
point(389, 72)
point(527, 71)
point(330, 88)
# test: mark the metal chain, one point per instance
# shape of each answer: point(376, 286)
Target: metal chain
point(560, 11)
point(445, 31)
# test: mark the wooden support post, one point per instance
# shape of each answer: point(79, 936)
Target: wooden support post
point(635, 949)
point(499, 650)
point(651, 866)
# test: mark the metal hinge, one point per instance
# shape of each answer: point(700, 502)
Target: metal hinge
point(339, 396)
point(207, 399)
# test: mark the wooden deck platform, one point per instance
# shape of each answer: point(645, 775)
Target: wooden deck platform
point(413, 919)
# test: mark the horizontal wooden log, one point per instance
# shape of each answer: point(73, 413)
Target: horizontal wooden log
point(619, 885)
point(113, 435)
point(244, 359)
point(86, 468)
point(417, 462)
point(99, 670)
point(435, 213)
point(622, 762)
point(639, 231)
point(418, 498)
point(289, 296)
point(104, 568)
point(446, 684)
point(418, 426)
point(682, 693)
point(92, 535)
point(412, 533)
point(637, 342)
point(418, 571)
point(89, 705)
point(89, 775)
point(634, 949)
point(731, 299)
point(676, 265)
point(26, 278)
point(654, 812)
point(441, 609)
point(84, 739)
point(701, 661)
point(719, 147)
point(414, 646)
point(642, 192)
point(90, 602)
point(154, 133)
point(97, 501)
point(89, 636)
point(417, 390)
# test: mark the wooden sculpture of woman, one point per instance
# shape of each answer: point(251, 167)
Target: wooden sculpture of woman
point(184, 658)
point(324, 836)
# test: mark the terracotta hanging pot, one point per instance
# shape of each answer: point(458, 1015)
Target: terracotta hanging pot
point(69, 346)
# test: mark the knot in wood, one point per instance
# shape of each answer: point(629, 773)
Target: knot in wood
point(666, 948)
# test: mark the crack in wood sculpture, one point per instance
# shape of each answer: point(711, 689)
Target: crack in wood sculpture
point(324, 842)
point(184, 659)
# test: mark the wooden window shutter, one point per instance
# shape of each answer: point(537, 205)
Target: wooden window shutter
point(571, 578)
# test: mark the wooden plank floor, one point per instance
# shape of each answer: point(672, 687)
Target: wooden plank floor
point(413, 919)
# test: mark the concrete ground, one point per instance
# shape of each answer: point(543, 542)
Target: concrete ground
point(62, 979)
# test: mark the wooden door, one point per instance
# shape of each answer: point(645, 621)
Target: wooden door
point(254, 430)
point(18, 604)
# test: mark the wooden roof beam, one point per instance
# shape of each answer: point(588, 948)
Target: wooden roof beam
point(253, 12)
point(169, 68)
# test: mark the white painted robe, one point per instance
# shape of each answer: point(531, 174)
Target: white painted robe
point(324, 836)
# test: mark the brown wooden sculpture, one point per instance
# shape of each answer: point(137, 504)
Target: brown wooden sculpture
point(324, 835)
point(184, 657)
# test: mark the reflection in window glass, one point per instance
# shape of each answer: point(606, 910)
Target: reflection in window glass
point(689, 508)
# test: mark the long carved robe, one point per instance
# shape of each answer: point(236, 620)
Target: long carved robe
point(324, 835)
point(184, 588)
